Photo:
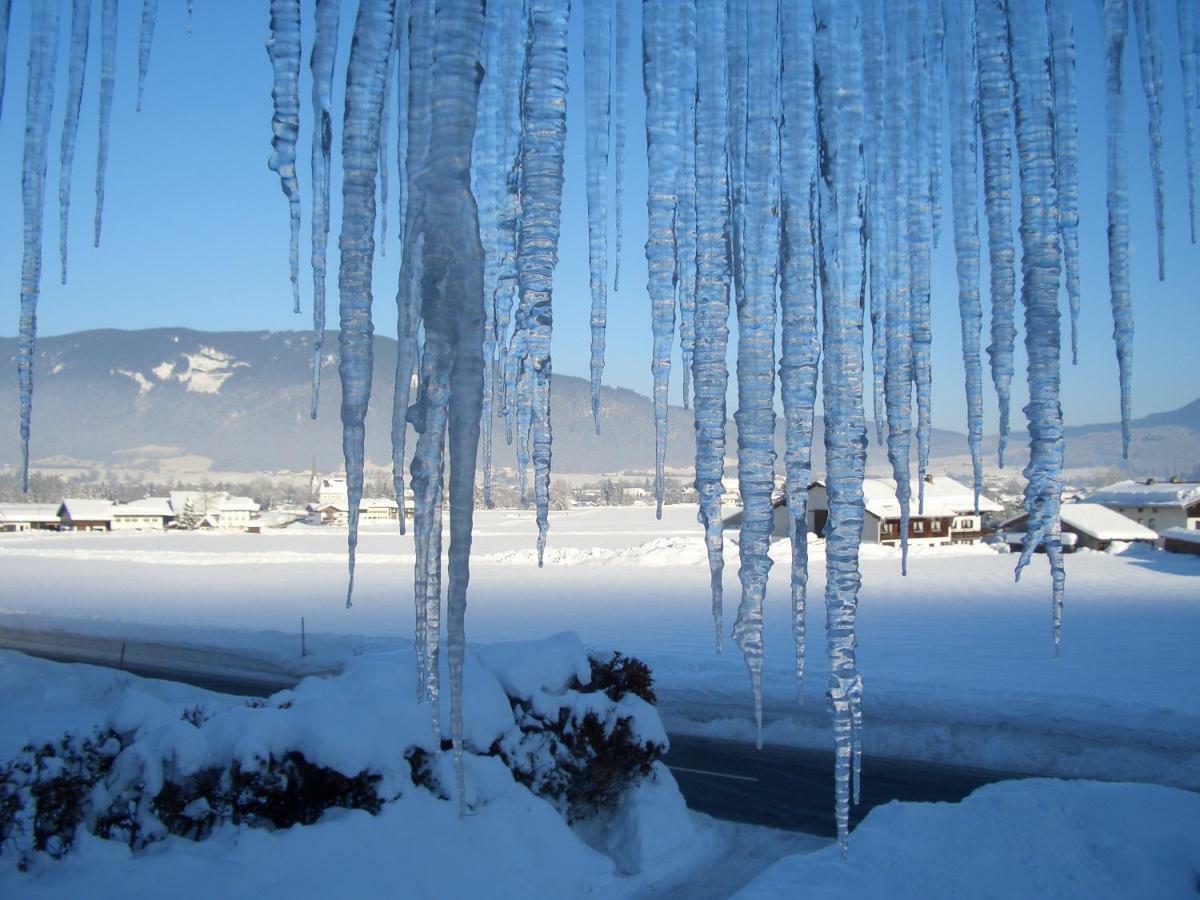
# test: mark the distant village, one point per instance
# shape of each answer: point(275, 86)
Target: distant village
point(1158, 513)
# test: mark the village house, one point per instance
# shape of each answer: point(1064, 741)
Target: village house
point(85, 515)
point(332, 506)
point(1087, 525)
point(150, 514)
point(948, 518)
point(1181, 540)
point(1159, 505)
point(29, 517)
point(214, 509)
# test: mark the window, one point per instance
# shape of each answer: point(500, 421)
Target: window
point(1150, 523)
point(918, 527)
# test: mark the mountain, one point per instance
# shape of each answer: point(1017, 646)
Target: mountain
point(238, 401)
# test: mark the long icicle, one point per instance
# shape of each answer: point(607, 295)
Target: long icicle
point(1188, 15)
point(1116, 20)
point(1066, 152)
point(800, 353)
point(920, 240)
point(995, 121)
point(662, 136)
point(597, 76)
point(709, 369)
point(685, 194)
point(877, 201)
point(839, 102)
point(453, 248)
point(964, 177)
point(5, 16)
point(145, 42)
point(283, 48)
point(39, 104)
point(108, 74)
point(322, 62)
point(384, 111)
point(81, 14)
point(619, 133)
point(1149, 43)
point(365, 74)
point(755, 414)
point(898, 305)
point(1040, 267)
point(542, 144)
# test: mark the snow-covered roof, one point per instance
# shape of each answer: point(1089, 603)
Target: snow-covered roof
point(149, 506)
point(1069, 539)
point(1098, 522)
point(378, 503)
point(236, 504)
point(943, 497)
point(1191, 536)
point(1139, 493)
point(80, 510)
point(28, 512)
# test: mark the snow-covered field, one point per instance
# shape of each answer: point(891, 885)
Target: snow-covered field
point(956, 659)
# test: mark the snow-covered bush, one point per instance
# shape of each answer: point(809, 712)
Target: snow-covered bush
point(578, 732)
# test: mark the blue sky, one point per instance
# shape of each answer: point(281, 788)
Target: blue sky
point(196, 226)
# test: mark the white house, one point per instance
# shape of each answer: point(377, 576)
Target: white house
point(1158, 505)
point(1084, 525)
point(150, 514)
point(230, 513)
point(29, 517)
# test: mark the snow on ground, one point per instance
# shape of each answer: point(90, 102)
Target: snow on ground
point(1034, 838)
point(956, 659)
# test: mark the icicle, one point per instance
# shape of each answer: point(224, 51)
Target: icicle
point(898, 306)
point(712, 291)
point(1189, 63)
point(597, 77)
point(408, 289)
point(1116, 18)
point(964, 176)
point(737, 56)
point(877, 202)
point(489, 176)
point(81, 13)
point(365, 74)
point(685, 193)
point(663, 152)
point(1040, 267)
point(283, 47)
point(455, 306)
point(755, 414)
point(497, 142)
point(840, 121)
point(1149, 42)
point(108, 72)
point(1066, 152)
point(324, 56)
point(801, 348)
point(995, 121)
point(145, 41)
point(5, 14)
point(543, 135)
point(935, 67)
point(189, 16)
point(393, 57)
point(452, 300)
point(619, 52)
point(920, 240)
point(39, 103)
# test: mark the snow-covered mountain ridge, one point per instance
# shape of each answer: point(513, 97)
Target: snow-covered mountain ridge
point(241, 400)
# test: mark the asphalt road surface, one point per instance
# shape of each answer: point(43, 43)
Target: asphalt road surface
point(792, 788)
point(777, 786)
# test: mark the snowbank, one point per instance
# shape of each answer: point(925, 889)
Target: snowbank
point(1035, 838)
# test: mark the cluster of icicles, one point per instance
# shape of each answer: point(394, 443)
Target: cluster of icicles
point(799, 182)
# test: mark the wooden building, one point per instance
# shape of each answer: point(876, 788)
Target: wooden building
point(85, 515)
point(29, 517)
point(1181, 540)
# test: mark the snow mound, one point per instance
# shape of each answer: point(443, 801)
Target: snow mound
point(1033, 838)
